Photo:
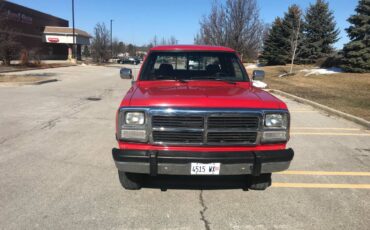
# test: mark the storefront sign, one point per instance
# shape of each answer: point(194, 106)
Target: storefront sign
point(53, 40)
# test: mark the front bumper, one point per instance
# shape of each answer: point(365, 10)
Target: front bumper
point(178, 163)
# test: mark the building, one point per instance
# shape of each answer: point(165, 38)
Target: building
point(54, 36)
point(41, 34)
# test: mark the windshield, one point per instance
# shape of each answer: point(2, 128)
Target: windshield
point(193, 66)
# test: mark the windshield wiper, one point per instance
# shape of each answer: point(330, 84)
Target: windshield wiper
point(181, 80)
point(223, 80)
point(227, 81)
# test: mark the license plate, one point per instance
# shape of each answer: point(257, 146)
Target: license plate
point(205, 169)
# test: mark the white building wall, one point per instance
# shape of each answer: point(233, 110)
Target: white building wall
point(65, 39)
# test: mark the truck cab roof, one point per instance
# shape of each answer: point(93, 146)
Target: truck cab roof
point(191, 48)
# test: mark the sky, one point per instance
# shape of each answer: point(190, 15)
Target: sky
point(138, 21)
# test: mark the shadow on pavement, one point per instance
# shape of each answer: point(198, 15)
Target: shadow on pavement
point(39, 74)
point(196, 182)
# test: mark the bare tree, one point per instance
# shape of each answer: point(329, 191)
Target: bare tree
point(236, 24)
point(198, 39)
point(293, 34)
point(172, 40)
point(164, 41)
point(121, 47)
point(294, 41)
point(9, 47)
point(101, 43)
point(118, 47)
point(131, 49)
point(154, 41)
point(245, 27)
point(213, 28)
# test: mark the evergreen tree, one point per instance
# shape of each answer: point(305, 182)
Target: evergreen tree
point(285, 38)
point(86, 51)
point(272, 53)
point(320, 32)
point(356, 53)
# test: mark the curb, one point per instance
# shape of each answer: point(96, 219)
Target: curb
point(28, 83)
point(35, 68)
point(43, 81)
point(338, 113)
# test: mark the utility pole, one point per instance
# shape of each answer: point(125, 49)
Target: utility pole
point(73, 29)
point(111, 39)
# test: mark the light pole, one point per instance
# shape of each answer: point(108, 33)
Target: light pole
point(73, 29)
point(111, 39)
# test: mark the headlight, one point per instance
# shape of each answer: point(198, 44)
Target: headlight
point(131, 126)
point(276, 120)
point(134, 118)
point(275, 128)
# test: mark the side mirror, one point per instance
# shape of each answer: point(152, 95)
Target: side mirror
point(126, 73)
point(258, 75)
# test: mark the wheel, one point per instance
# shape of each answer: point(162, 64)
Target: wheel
point(130, 181)
point(260, 182)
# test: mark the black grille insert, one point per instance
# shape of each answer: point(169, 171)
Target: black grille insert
point(178, 137)
point(232, 137)
point(233, 122)
point(177, 121)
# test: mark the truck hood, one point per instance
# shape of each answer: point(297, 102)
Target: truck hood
point(204, 94)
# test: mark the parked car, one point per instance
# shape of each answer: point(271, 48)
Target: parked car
point(211, 121)
point(193, 64)
point(138, 60)
point(129, 60)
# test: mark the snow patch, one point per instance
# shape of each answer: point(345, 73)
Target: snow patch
point(320, 71)
point(253, 66)
point(259, 84)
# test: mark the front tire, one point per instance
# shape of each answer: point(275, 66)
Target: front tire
point(130, 181)
point(260, 182)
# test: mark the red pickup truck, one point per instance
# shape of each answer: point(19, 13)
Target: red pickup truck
point(200, 119)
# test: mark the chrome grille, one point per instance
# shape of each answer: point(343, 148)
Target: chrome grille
point(204, 127)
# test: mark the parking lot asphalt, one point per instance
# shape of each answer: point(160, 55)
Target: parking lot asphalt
point(56, 169)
